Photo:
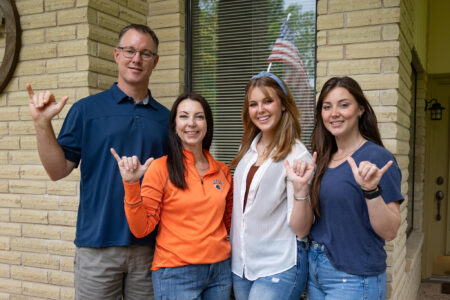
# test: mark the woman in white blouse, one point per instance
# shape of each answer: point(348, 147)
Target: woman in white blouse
point(272, 214)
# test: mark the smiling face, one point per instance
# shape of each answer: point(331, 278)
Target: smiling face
point(265, 109)
point(341, 113)
point(135, 72)
point(190, 124)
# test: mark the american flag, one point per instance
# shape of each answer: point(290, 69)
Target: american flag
point(284, 50)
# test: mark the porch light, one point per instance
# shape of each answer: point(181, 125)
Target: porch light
point(436, 109)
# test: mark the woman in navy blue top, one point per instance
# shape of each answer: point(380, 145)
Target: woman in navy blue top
point(355, 195)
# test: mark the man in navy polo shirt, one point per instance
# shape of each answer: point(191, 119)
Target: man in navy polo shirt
point(110, 263)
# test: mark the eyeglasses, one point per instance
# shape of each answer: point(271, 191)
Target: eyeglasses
point(130, 52)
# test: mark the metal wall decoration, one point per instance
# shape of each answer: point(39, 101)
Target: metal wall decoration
point(12, 39)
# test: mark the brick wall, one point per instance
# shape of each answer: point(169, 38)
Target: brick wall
point(67, 48)
point(371, 41)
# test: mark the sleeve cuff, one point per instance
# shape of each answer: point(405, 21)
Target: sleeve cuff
point(132, 193)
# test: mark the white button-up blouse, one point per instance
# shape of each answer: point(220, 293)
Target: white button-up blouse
point(262, 243)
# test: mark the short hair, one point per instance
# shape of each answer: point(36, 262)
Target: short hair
point(142, 29)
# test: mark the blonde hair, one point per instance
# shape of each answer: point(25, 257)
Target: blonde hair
point(287, 130)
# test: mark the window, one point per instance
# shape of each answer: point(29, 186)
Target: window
point(230, 41)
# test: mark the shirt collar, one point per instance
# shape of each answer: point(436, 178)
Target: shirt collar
point(119, 96)
point(255, 142)
point(189, 155)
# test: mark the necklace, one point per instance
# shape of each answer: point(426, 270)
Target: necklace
point(350, 153)
point(264, 147)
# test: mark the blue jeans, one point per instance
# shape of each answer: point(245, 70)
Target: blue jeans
point(285, 285)
point(325, 282)
point(208, 282)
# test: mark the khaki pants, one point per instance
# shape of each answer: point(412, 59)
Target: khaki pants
point(113, 273)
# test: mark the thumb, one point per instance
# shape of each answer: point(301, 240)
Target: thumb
point(61, 103)
point(148, 163)
point(386, 166)
point(353, 165)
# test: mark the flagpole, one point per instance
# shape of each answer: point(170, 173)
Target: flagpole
point(270, 64)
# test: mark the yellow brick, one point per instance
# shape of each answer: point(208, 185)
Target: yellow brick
point(170, 34)
point(106, 52)
point(391, 3)
point(9, 142)
point(58, 4)
point(28, 216)
point(40, 202)
point(26, 142)
point(61, 65)
point(111, 22)
point(103, 35)
point(74, 16)
point(330, 21)
point(349, 5)
point(68, 293)
point(368, 50)
point(4, 214)
point(29, 245)
point(38, 20)
point(41, 82)
point(9, 172)
point(10, 257)
point(354, 35)
point(61, 33)
point(73, 79)
point(3, 154)
point(166, 7)
point(10, 286)
point(68, 203)
point(32, 67)
point(9, 200)
point(389, 97)
point(171, 61)
point(166, 76)
point(390, 32)
point(9, 113)
point(13, 85)
point(372, 17)
point(138, 5)
point(73, 48)
point(330, 53)
point(66, 218)
point(105, 6)
point(68, 233)
point(3, 100)
point(46, 291)
point(41, 231)
point(390, 65)
point(66, 188)
point(105, 82)
point(21, 127)
point(377, 81)
point(169, 20)
point(40, 261)
point(322, 7)
point(102, 66)
point(30, 7)
point(132, 16)
point(28, 274)
point(18, 98)
point(171, 48)
point(61, 278)
point(4, 272)
point(34, 36)
point(27, 186)
point(4, 186)
point(61, 248)
point(66, 263)
point(164, 90)
point(10, 229)
point(82, 31)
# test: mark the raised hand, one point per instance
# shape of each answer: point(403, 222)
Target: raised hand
point(301, 172)
point(367, 174)
point(43, 106)
point(130, 168)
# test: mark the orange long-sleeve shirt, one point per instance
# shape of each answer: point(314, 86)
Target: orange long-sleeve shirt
point(193, 223)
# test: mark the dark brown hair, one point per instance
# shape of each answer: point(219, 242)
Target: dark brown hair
point(324, 143)
point(142, 29)
point(175, 156)
point(288, 128)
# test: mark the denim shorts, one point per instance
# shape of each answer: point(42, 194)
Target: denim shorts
point(325, 282)
point(285, 285)
point(205, 281)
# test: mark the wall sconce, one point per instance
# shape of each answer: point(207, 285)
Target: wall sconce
point(436, 109)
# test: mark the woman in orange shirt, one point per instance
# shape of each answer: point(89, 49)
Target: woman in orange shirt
point(190, 195)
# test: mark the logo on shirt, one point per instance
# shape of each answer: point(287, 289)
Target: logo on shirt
point(217, 184)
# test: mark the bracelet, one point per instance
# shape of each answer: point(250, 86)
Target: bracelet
point(302, 198)
point(373, 193)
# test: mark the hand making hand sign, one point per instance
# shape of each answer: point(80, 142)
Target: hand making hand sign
point(43, 106)
point(301, 172)
point(367, 175)
point(131, 168)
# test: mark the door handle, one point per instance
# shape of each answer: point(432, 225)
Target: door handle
point(439, 196)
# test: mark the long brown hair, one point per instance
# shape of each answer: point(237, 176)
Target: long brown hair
point(324, 143)
point(287, 130)
point(175, 156)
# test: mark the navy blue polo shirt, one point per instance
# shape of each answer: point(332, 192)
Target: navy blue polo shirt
point(352, 246)
point(92, 126)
